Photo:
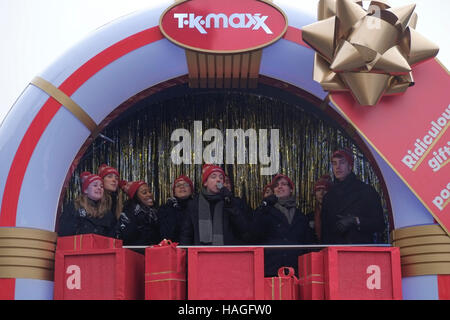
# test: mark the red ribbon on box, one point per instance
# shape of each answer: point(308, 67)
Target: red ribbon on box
point(283, 287)
point(311, 279)
point(165, 272)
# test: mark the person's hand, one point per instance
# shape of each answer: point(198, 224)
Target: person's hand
point(226, 194)
point(270, 200)
point(173, 202)
point(344, 223)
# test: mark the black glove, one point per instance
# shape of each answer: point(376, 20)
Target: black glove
point(345, 223)
point(226, 194)
point(173, 202)
point(270, 200)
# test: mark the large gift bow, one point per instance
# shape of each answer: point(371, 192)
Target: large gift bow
point(367, 52)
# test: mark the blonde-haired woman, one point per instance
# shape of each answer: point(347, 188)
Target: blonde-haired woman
point(90, 212)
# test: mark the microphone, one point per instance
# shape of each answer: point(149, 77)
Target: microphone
point(226, 197)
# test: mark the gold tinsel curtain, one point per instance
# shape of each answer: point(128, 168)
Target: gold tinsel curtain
point(142, 145)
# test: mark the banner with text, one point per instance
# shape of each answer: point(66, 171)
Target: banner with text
point(410, 132)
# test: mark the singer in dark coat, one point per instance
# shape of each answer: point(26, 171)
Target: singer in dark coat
point(351, 210)
point(279, 222)
point(214, 217)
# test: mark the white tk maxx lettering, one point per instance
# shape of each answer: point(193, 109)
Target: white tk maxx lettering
point(221, 20)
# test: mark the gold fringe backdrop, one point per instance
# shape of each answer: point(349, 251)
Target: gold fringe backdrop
point(142, 145)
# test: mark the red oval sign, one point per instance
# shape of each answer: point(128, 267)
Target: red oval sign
point(228, 26)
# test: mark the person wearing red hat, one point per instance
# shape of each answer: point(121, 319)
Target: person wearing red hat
point(214, 217)
point(113, 194)
point(351, 211)
point(267, 190)
point(139, 224)
point(172, 213)
point(278, 221)
point(321, 188)
point(90, 212)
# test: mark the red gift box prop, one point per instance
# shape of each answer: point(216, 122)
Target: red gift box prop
point(99, 274)
point(87, 241)
point(226, 273)
point(362, 273)
point(311, 276)
point(165, 272)
point(283, 287)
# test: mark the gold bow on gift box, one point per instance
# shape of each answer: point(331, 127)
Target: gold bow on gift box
point(367, 52)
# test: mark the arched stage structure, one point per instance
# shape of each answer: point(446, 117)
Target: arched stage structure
point(40, 138)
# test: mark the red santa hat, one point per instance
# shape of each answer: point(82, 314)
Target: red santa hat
point(87, 178)
point(133, 188)
point(344, 153)
point(267, 186)
point(185, 179)
point(324, 182)
point(208, 169)
point(104, 170)
point(278, 177)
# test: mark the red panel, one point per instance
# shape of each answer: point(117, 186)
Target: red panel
point(99, 274)
point(444, 286)
point(362, 273)
point(419, 153)
point(7, 291)
point(295, 35)
point(226, 274)
point(87, 241)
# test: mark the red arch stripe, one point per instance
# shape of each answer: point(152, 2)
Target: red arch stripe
point(34, 133)
point(51, 107)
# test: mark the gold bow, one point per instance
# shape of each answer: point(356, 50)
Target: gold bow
point(367, 52)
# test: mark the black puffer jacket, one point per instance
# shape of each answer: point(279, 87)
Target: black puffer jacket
point(139, 225)
point(271, 227)
point(235, 223)
point(352, 197)
point(171, 216)
point(76, 221)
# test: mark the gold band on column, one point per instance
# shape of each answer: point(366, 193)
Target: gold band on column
point(27, 253)
point(424, 250)
point(66, 101)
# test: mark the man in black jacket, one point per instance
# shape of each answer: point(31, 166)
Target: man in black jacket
point(351, 210)
point(278, 221)
point(214, 217)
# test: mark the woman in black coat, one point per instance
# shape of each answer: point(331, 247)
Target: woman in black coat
point(139, 225)
point(278, 222)
point(172, 213)
point(90, 212)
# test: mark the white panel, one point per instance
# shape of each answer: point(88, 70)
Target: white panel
point(47, 170)
point(291, 63)
point(30, 289)
point(98, 41)
point(129, 75)
point(15, 126)
point(420, 288)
